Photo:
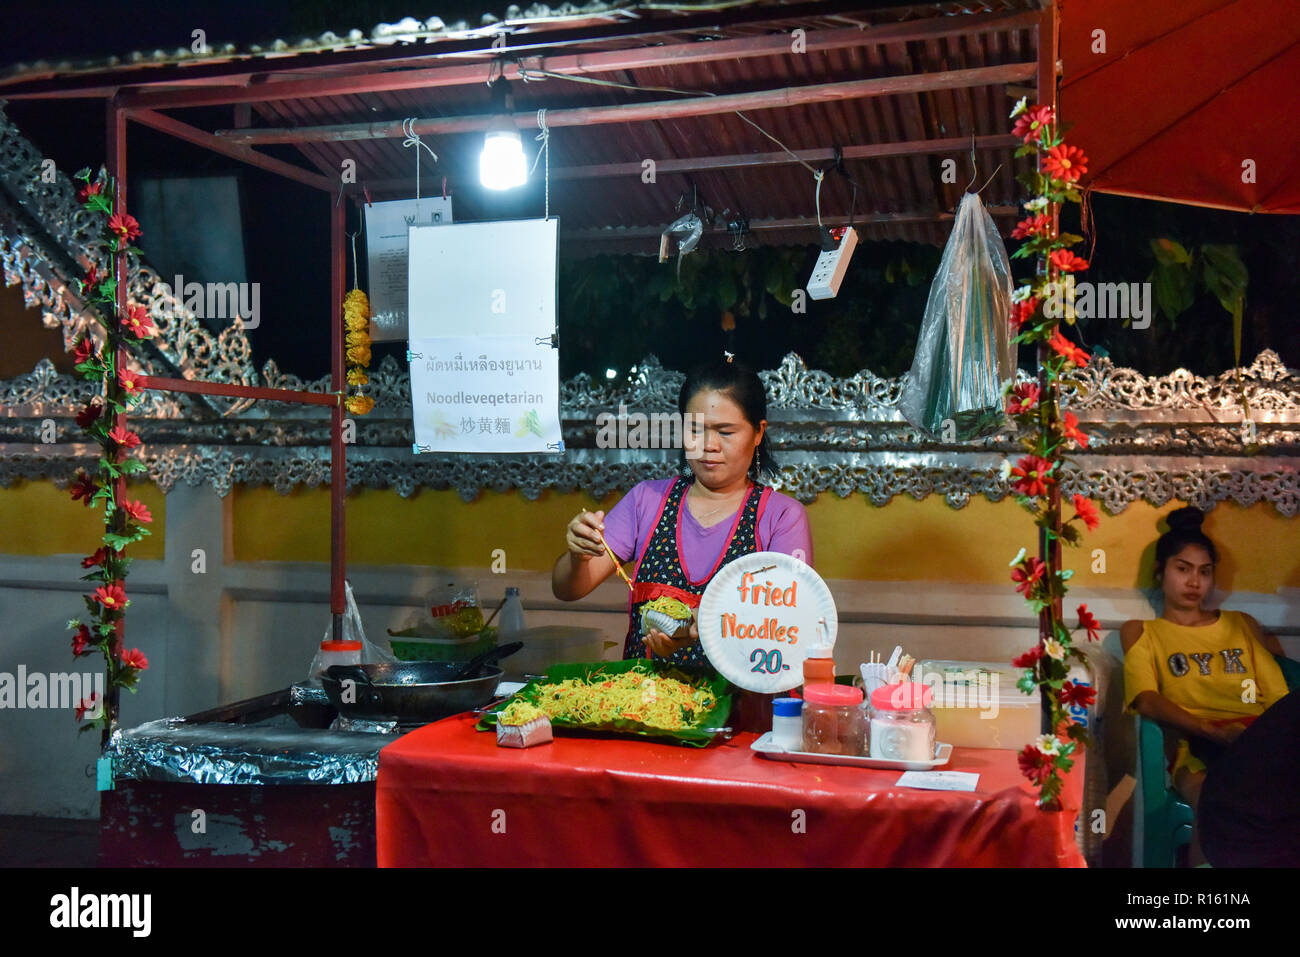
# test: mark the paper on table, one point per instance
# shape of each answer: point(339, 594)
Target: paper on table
point(939, 780)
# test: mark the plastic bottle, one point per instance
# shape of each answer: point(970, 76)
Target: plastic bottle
point(787, 723)
point(819, 666)
point(511, 622)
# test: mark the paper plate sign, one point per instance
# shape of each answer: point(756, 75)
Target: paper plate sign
point(760, 616)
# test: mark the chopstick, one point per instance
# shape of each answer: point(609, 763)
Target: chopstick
point(618, 566)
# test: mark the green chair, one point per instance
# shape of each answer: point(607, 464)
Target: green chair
point(1166, 817)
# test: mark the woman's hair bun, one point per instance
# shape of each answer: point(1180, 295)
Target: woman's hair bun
point(1186, 518)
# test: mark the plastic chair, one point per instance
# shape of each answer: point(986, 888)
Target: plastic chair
point(1166, 817)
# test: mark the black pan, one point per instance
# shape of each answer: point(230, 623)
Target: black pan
point(409, 691)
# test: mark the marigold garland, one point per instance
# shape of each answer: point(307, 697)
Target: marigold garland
point(356, 325)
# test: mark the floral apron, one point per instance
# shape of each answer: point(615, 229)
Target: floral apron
point(659, 571)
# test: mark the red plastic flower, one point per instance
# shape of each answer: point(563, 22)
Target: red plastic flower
point(1088, 623)
point(92, 279)
point(1029, 659)
point(1066, 163)
point(139, 323)
point(123, 437)
point(1027, 574)
point(1071, 429)
point(100, 556)
point(1031, 122)
point(1086, 511)
point(137, 511)
point(89, 415)
point(129, 381)
point(1039, 225)
point(83, 351)
point(1064, 347)
point(124, 226)
point(1023, 311)
point(135, 659)
point(1067, 261)
point(1024, 398)
point(1073, 694)
point(84, 487)
point(1032, 476)
point(81, 641)
point(112, 597)
point(89, 190)
point(1034, 764)
point(87, 704)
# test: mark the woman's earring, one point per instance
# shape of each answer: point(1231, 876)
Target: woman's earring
point(686, 470)
point(757, 467)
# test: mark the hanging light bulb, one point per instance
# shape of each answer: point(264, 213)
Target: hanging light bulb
point(502, 165)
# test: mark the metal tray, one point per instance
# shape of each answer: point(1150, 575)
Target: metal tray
point(769, 749)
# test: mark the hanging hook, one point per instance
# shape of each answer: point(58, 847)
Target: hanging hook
point(974, 166)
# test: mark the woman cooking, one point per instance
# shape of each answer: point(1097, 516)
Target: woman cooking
point(682, 530)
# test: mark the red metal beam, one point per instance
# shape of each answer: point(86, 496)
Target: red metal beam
point(593, 233)
point(658, 110)
point(199, 387)
point(644, 57)
point(192, 134)
point(116, 156)
point(742, 160)
point(338, 464)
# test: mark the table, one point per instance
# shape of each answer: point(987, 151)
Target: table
point(446, 795)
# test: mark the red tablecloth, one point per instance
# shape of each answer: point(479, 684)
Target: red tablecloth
point(448, 796)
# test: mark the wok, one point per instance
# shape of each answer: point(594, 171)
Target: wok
point(409, 691)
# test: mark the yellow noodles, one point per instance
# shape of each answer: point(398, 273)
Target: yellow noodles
point(656, 702)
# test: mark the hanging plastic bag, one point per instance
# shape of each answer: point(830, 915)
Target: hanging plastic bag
point(964, 352)
point(352, 631)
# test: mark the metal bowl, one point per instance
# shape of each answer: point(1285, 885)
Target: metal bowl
point(409, 691)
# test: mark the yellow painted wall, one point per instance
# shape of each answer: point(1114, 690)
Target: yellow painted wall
point(906, 540)
point(37, 518)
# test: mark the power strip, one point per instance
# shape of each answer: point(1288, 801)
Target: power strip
point(831, 266)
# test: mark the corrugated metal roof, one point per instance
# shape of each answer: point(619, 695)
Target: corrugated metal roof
point(898, 197)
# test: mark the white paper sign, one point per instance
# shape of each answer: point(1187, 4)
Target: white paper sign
point(760, 615)
point(387, 232)
point(485, 394)
point(939, 780)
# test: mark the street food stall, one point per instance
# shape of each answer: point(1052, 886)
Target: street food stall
point(408, 760)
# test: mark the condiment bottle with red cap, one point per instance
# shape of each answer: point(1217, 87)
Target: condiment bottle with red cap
point(833, 720)
point(339, 653)
point(902, 724)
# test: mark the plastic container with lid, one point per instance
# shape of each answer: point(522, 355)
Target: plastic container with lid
point(339, 653)
point(787, 723)
point(833, 720)
point(977, 703)
point(902, 724)
point(819, 666)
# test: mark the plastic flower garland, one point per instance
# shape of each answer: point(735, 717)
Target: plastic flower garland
point(125, 521)
point(356, 323)
point(1045, 435)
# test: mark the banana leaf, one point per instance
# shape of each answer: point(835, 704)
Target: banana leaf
point(693, 734)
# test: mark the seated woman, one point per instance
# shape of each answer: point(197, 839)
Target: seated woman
point(1204, 675)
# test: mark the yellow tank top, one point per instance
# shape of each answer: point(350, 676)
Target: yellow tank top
point(1213, 671)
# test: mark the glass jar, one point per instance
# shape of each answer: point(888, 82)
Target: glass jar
point(833, 720)
point(902, 724)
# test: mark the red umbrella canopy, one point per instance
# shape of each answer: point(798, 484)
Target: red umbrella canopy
point(1191, 102)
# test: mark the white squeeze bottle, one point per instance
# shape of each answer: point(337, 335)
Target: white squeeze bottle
point(512, 615)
